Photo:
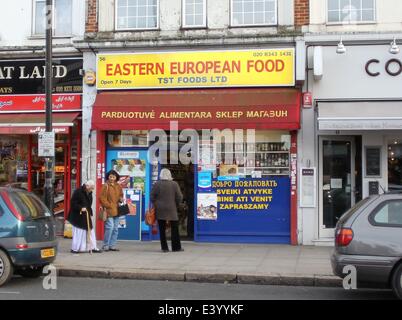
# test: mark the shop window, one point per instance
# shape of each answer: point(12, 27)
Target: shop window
point(127, 138)
point(14, 161)
point(194, 13)
point(351, 11)
point(267, 153)
point(62, 17)
point(254, 12)
point(137, 14)
point(395, 164)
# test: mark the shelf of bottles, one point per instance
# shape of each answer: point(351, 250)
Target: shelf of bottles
point(269, 158)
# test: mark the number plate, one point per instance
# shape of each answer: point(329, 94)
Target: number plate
point(47, 253)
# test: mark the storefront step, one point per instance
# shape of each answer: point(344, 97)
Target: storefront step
point(325, 242)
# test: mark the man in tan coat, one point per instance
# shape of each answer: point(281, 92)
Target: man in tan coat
point(110, 196)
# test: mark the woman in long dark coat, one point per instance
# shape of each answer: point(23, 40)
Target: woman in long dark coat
point(166, 197)
point(79, 216)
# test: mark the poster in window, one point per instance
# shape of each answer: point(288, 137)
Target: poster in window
point(207, 206)
point(308, 187)
point(373, 161)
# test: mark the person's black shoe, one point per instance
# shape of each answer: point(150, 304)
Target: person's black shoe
point(165, 250)
point(74, 252)
point(97, 251)
point(178, 250)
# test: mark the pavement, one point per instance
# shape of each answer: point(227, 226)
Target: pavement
point(204, 262)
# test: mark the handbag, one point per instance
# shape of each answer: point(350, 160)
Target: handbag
point(102, 216)
point(150, 217)
point(123, 209)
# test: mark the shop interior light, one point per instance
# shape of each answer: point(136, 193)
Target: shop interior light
point(394, 49)
point(341, 48)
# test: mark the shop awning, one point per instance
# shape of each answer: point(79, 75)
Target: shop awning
point(252, 108)
point(366, 115)
point(29, 123)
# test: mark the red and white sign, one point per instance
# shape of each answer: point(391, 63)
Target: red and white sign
point(307, 99)
point(61, 102)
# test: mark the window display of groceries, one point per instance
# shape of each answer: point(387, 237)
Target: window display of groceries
point(269, 158)
point(129, 167)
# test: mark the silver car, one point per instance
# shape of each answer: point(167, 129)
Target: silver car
point(369, 237)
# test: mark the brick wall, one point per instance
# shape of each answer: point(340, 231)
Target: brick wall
point(302, 13)
point(91, 22)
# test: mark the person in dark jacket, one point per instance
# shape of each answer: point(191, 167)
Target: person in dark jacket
point(166, 197)
point(79, 216)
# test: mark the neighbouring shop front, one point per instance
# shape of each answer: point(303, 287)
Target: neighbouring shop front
point(22, 117)
point(358, 122)
point(231, 148)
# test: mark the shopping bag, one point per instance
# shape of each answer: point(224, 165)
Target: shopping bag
point(102, 215)
point(150, 217)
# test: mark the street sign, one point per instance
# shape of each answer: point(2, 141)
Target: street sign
point(307, 99)
point(46, 144)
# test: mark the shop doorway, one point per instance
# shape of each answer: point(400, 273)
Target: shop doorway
point(61, 185)
point(184, 175)
point(337, 182)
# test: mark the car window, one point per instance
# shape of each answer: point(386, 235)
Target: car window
point(353, 209)
point(29, 205)
point(389, 213)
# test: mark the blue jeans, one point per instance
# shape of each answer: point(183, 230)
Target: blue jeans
point(111, 232)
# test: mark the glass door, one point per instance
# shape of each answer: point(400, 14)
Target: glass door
point(337, 181)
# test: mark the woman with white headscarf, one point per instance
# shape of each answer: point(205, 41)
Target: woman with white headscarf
point(80, 217)
point(166, 197)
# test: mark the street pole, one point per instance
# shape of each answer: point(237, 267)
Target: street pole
point(49, 166)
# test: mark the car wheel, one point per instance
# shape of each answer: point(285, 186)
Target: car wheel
point(6, 268)
point(32, 272)
point(397, 281)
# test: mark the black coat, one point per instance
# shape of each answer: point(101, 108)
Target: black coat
point(166, 197)
point(80, 199)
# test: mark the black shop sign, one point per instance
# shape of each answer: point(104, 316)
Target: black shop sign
point(28, 76)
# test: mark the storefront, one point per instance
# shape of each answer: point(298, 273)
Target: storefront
point(356, 122)
point(22, 117)
point(231, 149)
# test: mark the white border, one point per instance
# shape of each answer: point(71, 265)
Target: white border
point(292, 84)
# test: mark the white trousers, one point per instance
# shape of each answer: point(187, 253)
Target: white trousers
point(80, 240)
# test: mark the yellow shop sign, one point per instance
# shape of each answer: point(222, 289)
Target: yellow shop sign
point(244, 68)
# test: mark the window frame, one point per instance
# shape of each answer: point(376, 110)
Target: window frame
point(136, 29)
point(34, 34)
point(379, 207)
point(350, 22)
point(183, 16)
point(232, 25)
